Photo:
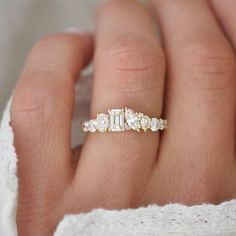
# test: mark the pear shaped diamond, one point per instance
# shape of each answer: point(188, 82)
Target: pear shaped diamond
point(132, 119)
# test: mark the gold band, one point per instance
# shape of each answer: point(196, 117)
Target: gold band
point(123, 119)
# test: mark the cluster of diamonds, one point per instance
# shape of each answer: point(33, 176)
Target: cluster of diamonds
point(123, 119)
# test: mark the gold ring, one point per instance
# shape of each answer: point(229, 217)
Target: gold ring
point(123, 119)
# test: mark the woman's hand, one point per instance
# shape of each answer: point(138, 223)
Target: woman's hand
point(192, 162)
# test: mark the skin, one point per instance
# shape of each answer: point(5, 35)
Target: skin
point(189, 78)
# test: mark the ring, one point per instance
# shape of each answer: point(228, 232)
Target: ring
point(123, 119)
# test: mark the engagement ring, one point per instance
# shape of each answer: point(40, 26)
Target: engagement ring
point(118, 120)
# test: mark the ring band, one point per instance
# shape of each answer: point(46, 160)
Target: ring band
point(123, 119)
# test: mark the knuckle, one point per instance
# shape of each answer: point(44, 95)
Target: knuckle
point(134, 64)
point(37, 102)
point(50, 41)
point(108, 6)
point(211, 66)
point(28, 107)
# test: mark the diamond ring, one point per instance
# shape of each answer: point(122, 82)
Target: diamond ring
point(123, 119)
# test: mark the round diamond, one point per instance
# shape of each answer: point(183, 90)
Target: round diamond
point(145, 122)
point(162, 124)
point(92, 126)
point(102, 122)
point(134, 123)
point(154, 125)
point(85, 126)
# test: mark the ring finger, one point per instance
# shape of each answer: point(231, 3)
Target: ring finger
point(129, 71)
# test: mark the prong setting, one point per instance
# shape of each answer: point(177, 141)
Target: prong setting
point(123, 119)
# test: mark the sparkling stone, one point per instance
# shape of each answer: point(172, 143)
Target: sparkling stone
point(85, 126)
point(162, 124)
point(154, 124)
point(132, 119)
point(92, 126)
point(102, 122)
point(116, 120)
point(145, 122)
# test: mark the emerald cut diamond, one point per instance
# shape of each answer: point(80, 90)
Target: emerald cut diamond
point(116, 120)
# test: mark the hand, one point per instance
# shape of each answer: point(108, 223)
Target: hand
point(192, 162)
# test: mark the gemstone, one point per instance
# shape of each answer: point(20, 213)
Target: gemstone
point(116, 120)
point(154, 124)
point(102, 122)
point(85, 126)
point(162, 124)
point(92, 126)
point(145, 122)
point(132, 119)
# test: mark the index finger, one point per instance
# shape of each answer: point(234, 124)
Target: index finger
point(41, 118)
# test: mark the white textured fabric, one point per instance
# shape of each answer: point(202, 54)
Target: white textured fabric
point(169, 220)
point(8, 179)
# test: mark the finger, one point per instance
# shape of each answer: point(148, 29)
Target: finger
point(200, 103)
point(129, 72)
point(225, 10)
point(41, 115)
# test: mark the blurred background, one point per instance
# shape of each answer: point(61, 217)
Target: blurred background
point(23, 22)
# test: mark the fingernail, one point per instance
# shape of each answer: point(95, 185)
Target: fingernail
point(76, 30)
